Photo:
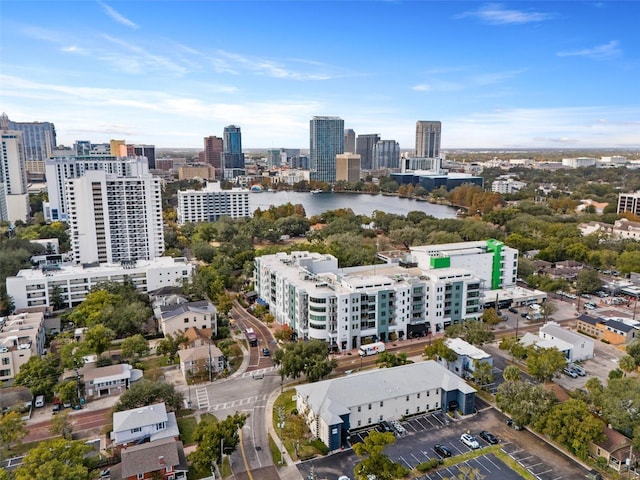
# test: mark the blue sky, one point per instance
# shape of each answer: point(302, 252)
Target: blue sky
point(498, 75)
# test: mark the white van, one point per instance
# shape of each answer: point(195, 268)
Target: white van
point(39, 403)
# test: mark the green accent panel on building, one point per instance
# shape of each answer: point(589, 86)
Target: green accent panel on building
point(382, 305)
point(495, 246)
point(456, 302)
point(440, 262)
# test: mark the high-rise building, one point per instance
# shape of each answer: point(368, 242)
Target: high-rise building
point(14, 196)
point(428, 139)
point(326, 140)
point(60, 169)
point(212, 203)
point(118, 148)
point(115, 219)
point(386, 154)
point(213, 153)
point(148, 151)
point(38, 141)
point(629, 202)
point(348, 167)
point(349, 141)
point(232, 148)
point(364, 147)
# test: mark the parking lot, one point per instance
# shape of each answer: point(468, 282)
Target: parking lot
point(424, 432)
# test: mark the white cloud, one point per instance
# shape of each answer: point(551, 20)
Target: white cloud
point(599, 52)
point(497, 14)
point(118, 17)
point(423, 87)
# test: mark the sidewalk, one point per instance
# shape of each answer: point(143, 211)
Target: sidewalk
point(289, 471)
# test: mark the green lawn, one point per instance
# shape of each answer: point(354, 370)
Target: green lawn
point(187, 427)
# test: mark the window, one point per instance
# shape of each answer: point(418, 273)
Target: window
point(382, 404)
point(140, 476)
point(359, 423)
point(369, 406)
point(6, 360)
point(369, 420)
point(135, 430)
point(359, 408)
point(407, 398)
point(418, 396)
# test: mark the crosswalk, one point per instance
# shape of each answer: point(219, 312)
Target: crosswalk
point(236, 404)
point(261, 371)
point(202, 397)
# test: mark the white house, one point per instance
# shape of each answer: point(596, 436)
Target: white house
point(576, 347)
point(468, 355)
point(152, 422)
point(109, 380)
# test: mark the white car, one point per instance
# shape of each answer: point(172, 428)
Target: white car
point(469, 441)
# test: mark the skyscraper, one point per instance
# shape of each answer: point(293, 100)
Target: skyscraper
point(148, 151)
point(326, 140)
point(428, 138)
point(213, 153)
point(364, 147)
point(115, 219)
point(386, 154)
point(14, 196)
point(38, 141)
point(232, 148)
point(348, 167)
point(350, 140)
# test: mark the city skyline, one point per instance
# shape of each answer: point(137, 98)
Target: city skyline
point(497, 75)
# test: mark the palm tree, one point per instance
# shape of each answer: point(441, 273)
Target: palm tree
point(511, 374)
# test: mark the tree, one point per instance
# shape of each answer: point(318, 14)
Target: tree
point(283, 333)
point(12, 430)
point(374, 461)
point(98, 338)
point(490, 317)
point(573, 425)
point(309, 358)
point(67, 392)
point(224, 303)
point(472, 331)
point(634, 350)
point(545, 363)
point(511, 374)
point(39, 375)
point(525, 402)
point(61, 425)
point(588, 281)
point(146, 392)
point(211, 434)
point(547, 309)
point(56, 458)
point(388, 359)
point(170, 345)
point(482, 372)
point(439, 349)
point(627, 364)
point(136, 346)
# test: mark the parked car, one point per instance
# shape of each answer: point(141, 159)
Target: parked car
point(569, 372)
point(512, 309)
point(578, 369)
point(384, 427)
point(343, 477)
point(56, 408)
point(514, 425)
point(442, 450)
point(488, 437)
point(397, 426)
point(266, 352)
point(524, 314)
point(469, 440)
point(590, 306)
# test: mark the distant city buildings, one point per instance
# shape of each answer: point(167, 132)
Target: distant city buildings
point(386, 154)
point(629, 202)
point(213, 153)
point(326, 140)
point(365, 145)
point(349, 141)
point(428, 138)
point(506, 186)
point(211, 203)
point(38, 141)
point(14, 194)
point(348, 167)
point(232, 156)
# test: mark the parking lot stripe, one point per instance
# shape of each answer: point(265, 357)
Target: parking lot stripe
point(430, 422)
point(415, 458)
point(436, 417)
point(408, 424)
point(407, 463)
point(421, 424)
point(488, 458)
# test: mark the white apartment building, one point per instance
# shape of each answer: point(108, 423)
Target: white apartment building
point(114, 219)
point(35, 287)
point(629, 202)
point(507, 186)
point(21, 337)
point(60, 169)
point(211, 203)
point(14, 195)
point(579, 162)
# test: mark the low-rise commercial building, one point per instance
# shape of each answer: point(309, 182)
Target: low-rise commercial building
point(332, 408)
point(576, 347)
point(616, 331)
point(469, 356)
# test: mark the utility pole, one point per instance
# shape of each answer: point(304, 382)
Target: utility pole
point(281, 427)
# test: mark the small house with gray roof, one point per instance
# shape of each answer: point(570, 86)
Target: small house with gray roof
point(177, 318)
point(332, 408)
point(160, 459)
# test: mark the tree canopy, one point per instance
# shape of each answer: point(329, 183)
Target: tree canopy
point(146, 392)
point(56, 458)
point(374, 461)
point(309, 358)
point(211, 434)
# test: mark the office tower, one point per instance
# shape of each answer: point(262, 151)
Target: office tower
point(274, 158)
point(59, 170)
point(428, 139)
point(364, 147)
point(386, 154)
point(118, 148)
point(115, 219)
point(14, 196)
point(232, 156)
point(629, 202)
point(213, 153)
point(148, 151)
point(38, 141)
point(326, 140)
point(350, 140)
point(348, 167)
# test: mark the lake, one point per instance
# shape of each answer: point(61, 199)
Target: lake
point(361, 204)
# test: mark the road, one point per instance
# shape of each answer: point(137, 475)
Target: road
point(81, 422)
